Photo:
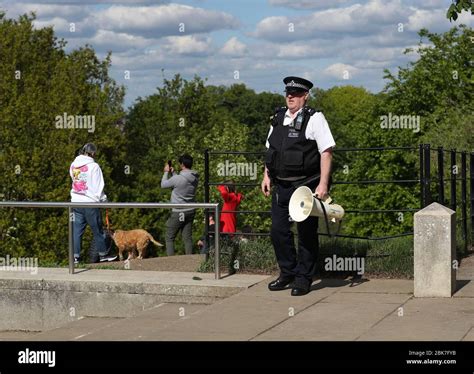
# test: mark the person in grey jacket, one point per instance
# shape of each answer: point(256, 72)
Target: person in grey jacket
point(184, 187)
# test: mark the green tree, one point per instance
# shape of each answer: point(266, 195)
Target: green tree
point(438, 87)
point(181, 117)
point(353, 115)
point(38, 83)
point(457, 7)
point(251, 109)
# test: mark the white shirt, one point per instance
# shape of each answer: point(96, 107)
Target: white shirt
point(317, 129)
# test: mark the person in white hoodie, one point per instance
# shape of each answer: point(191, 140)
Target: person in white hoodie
point(88, 187)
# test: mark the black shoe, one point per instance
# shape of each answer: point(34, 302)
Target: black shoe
point(299, 291)
point(300, 287)
point(107, 258)
point(279, 284)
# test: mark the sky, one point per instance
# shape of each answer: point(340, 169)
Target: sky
point(255, 42)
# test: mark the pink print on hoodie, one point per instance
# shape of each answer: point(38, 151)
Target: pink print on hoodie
point(87, 180)
point(79, 179)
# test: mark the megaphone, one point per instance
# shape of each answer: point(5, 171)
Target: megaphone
point(304, 204)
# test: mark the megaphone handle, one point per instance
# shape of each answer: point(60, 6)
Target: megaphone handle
point(325, 216)
point(327, 200)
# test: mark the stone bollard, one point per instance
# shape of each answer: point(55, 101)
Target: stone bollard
point(435, 251)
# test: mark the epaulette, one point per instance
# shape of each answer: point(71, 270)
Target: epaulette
point(310, 110)
point(277, 111)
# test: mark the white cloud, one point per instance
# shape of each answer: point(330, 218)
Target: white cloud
point(379, 66)
point(71, 12)
point(307, 4)
point(68, 2)
point(435, 20)
point(67, 29)
point(275, 28)
point(158, 21)
point(188, 45)
point(428, 4)
point(300, 51)
point(60, 25)
point(357, 18)
point(340, 71)
point(234, 48)
point(109, 40)
point(368, 52)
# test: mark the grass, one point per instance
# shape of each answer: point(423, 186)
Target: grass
point(390, 258)
point(103, 267)
point(255, 256)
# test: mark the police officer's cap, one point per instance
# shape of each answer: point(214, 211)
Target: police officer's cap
point(296, 84)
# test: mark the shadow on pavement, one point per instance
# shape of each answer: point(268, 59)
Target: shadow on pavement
point(328, 282)
point(460, 283)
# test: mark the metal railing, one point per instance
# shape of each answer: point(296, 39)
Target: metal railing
point(70, 206)
point(413, 181)
point(425, 178)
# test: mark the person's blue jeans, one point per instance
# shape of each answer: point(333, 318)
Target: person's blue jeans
point(93, 218)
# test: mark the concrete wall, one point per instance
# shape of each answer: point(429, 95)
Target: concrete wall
point(37, 305)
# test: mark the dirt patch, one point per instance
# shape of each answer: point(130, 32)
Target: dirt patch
point(467, 261)
point(185, 263)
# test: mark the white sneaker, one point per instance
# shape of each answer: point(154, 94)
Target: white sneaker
point(107, 258)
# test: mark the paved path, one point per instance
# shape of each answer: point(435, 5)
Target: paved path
point(336, 309)
point(378, 309)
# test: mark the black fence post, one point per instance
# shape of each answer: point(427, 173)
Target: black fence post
point(422, 178)
point(206, 195)
point(454, 172)
point(464, 198)
point(441, 175)
point(427, 174)
point(471, 168)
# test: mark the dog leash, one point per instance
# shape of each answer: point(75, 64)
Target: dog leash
point(107, 221)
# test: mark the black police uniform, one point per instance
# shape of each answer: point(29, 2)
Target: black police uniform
point(292, 161)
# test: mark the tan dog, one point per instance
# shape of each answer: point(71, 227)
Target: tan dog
point(133, 240)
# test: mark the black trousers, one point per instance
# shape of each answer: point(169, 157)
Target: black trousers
point(300, 265)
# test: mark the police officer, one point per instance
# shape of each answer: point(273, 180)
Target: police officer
point(299, 153)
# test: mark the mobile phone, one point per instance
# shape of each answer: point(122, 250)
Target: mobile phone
point(169, 163)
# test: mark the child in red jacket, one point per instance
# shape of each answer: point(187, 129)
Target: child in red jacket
point(228, 221)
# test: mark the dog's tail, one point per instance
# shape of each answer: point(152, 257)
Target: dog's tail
point(154, 241)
